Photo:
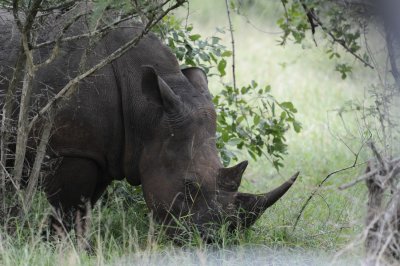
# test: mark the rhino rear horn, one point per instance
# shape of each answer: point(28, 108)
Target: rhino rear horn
point(251, 206)
point(157, 91)
point(229, 178)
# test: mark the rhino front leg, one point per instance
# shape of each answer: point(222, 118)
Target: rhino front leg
point(71, 190)
point(82, 225)
point(61, 222)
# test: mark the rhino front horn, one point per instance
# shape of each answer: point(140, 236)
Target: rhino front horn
point(229, 178)
point(251, 206)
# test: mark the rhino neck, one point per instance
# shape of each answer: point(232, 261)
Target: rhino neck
point(139, 117)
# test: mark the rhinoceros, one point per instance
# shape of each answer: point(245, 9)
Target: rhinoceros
point(140, 118)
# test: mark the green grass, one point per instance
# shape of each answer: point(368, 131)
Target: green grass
point(121, 232)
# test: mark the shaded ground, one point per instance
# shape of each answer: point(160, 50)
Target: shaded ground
point(245, 255)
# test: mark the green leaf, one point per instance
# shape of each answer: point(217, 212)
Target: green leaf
point(226, 54)
point(215, 39)
point(240, 119)
point(288, 105)
point(194, 37)
point(235, 141)
point(220, 30)
point(221, 67)
point(296, 126)
point(252, 154)
point(204, 57)
point(225, 136)
point(232, 4)
point(256, 119)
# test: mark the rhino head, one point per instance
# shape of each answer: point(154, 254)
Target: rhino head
point(181, 173)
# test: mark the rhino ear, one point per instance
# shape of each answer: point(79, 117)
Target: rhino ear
point(229, 178)
point(157, 91)
point(198, 78)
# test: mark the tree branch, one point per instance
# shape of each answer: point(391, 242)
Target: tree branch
point(34, 176)
point(57, 42)
point(6, 117)
point(22, 131)
point(68, 89)
point(30, 19)
point(85, 35)
point(312, 17)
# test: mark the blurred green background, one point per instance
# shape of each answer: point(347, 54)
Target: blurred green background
point(304, 75)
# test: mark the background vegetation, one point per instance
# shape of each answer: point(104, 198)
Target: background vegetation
point(304, 76)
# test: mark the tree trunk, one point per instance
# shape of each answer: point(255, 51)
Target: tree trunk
point(383, 225)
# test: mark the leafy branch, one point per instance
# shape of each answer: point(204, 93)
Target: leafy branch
point(301, 16)
point(315, 21)
point(249, 117)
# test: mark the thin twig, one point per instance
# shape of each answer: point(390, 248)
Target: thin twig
point(85, 35)
point(228, 12)
point(319, 186)
point(58, 41)
point(61, 6)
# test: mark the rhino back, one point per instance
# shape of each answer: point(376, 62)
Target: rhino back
point(107, 115)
